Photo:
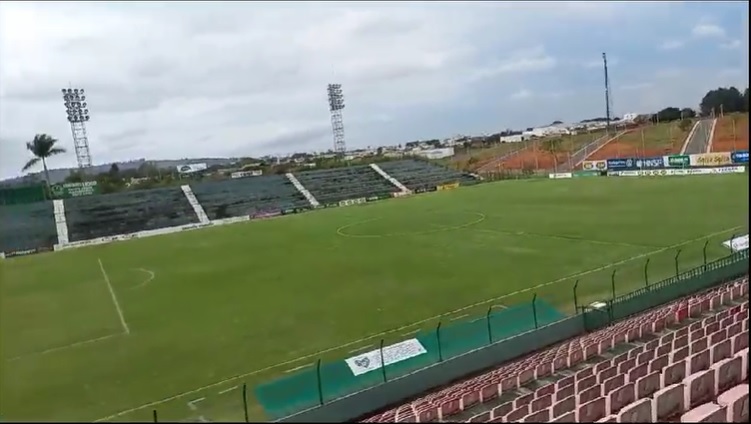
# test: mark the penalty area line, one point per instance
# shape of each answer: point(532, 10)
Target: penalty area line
point(404, 327)
point(114, 298)
point(59, 348)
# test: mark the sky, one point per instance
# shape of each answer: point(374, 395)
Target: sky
point(211, 79)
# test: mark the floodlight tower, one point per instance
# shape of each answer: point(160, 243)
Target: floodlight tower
point(77, 110)
point(336, 104)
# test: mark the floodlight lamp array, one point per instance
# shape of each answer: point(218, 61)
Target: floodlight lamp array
point(75, 104)
point(336, 97)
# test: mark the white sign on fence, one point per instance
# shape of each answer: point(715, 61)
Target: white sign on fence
point(736, 244)
point(392, 354)
point(193, 167)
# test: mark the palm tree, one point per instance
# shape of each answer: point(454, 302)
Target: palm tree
point(42, 147)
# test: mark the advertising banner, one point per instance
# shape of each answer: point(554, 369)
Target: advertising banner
point(392, 354)
point(650, 163)
point(579, 174)
point(623, 163)
point(672, 172)
point(243, 174)
point(193, 167)
point(677, 161)
point(736, 244)
point(739, 156)
point(447, 186)
point(66, 190)
point(560, 175)
point(710, 159)
point(595, 165)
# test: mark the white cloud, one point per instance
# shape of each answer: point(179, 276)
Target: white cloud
point(521, 94)
point(671, 45)
point(706, 30)
point(731, 44)
point(223, 79)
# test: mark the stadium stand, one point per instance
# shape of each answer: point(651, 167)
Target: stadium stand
point(248, 196)
point(685, 361)
point(338, 184)
point(422, 176)
point(27, 226)
point(104, 215)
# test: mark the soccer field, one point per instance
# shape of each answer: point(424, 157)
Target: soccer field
point(179, 322)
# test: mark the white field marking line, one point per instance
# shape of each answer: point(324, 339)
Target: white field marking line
point(297, 368)
point(192, 403)
point(221, 392)
point(409, 333)
point(114, 298)
point(404, 327)
point(711, 136)
point(151, 276)
point(68, 346)
point(340, 231)
point(360, 349)
point(559, 237)
point(459, 317)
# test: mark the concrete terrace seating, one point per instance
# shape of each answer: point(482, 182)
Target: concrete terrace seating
point(335, 185)
point(418, 175)
point(686, 360)
point(27, 226)
point(247, 196)
point(127, 212)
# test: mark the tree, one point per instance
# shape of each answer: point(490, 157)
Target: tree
point(42, 147)
point(114, 171)
point(666, 115)
point(687, 112)
point(727, 100)
point(745, 99)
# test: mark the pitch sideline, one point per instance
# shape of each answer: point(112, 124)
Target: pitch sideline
point(404, 327)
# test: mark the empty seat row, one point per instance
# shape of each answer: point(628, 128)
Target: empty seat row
point(334, 185)
point(27, 226)
point(423, 176)
point(247, 196)
point(511, 380)
point(126, 212)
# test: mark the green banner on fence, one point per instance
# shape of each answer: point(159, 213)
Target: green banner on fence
point(679, 161)
point(320, 383)
point(578, 174)
point(67, 190)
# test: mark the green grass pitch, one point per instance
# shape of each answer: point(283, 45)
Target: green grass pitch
point(177, 323)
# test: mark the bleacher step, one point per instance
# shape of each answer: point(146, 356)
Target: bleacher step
point(200, 213)
point(390, 179)
point(60, 221)
point(301, 188)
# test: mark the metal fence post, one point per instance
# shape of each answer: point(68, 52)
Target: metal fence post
point(677, 254)
point(612, 283)
point(245, 400)
point(704, 252)
point(646, 273)
point(383, 364)
point(438, 338)
point(154, 416)
point(490, 329)
point(576, 299)
point(534, 308)
point(320, 384)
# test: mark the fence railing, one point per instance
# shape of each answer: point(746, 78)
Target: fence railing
point(325, 384)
